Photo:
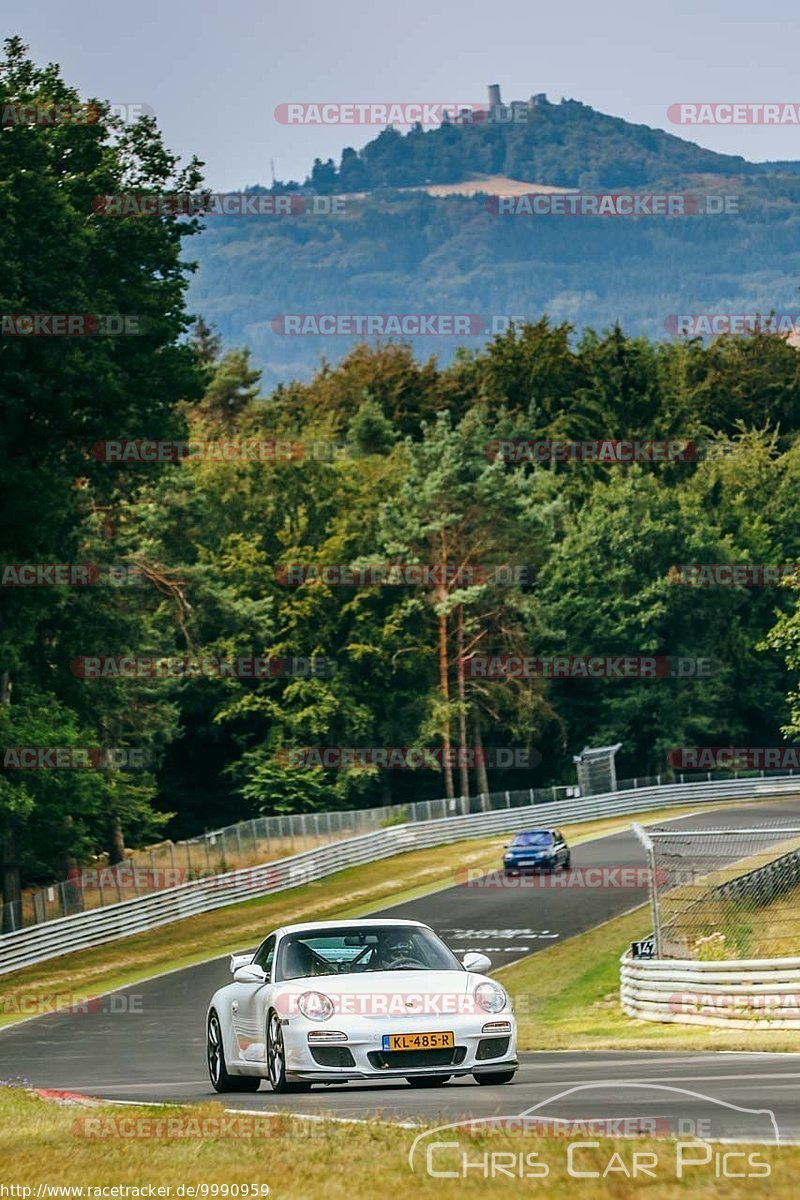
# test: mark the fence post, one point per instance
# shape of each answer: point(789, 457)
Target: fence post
point(649, 848)
point(508, 800)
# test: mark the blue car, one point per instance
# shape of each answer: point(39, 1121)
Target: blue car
point(537, 850)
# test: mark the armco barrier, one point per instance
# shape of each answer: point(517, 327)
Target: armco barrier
point(53, 938)
point(732, 993)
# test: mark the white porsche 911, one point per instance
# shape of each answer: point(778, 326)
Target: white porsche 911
point(367, 999)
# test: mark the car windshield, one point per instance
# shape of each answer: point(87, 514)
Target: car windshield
point(533, 839)
point(351, 951)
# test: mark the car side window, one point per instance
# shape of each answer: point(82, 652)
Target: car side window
point(264, 955)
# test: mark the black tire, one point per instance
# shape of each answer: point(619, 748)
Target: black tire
point(568, 863)
point(221, 1081)
point(494, 1077)
point(427, 1081)
point(276, 1058)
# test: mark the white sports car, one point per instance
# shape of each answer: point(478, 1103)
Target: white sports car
point(367, 999)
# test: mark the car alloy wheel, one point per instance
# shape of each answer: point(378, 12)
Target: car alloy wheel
point(221, 1081)
point(214, 1049)
point(276, 1059)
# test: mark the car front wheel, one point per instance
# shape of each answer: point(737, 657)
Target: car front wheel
point(221, 1081)
point(276, 1059)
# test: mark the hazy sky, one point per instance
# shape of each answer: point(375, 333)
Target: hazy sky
point(214, 70)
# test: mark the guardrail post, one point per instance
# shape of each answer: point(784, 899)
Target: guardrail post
point(647, 843)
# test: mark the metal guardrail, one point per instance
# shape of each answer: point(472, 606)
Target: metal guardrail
point(54, 938)
point(746, 993)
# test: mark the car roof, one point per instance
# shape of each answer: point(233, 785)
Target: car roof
point(523, 832)
point(356, 925)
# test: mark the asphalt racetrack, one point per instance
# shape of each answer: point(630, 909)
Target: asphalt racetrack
point(147, 1042)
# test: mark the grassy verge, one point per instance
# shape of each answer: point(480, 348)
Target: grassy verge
point(353, 892)
point(42, 1145)
point(567, 997)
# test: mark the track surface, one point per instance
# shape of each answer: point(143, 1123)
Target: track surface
point(147, 1042)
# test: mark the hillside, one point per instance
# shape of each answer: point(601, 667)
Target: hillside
point(418, 235)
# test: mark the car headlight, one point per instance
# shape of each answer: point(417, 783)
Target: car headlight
point(490, 997)
point(315, 1006)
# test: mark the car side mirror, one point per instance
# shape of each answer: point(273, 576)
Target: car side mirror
point(251, 974)
point(479, 964)
point(241, 960)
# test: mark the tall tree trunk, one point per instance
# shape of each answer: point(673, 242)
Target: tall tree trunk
point(12, 884)
point(463, 749)
point(444, 688)
point(116, 842)
point(10, 875)
point(480, 760)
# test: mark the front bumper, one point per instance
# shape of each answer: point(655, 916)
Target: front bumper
point(516, 868)
point(368, 1060)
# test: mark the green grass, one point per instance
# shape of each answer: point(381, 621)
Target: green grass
point(298, 1160)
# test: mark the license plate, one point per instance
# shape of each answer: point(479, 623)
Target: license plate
point(419, 1041)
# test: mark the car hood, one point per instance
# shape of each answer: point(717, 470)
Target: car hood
point(389, 994)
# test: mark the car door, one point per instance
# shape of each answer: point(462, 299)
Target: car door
point(247, 1007)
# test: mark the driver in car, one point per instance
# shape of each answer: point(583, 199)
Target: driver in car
point(397, 950)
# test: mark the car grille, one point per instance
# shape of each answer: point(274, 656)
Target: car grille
point(417, 1058)
point(332, 1056)
point(492, 1048)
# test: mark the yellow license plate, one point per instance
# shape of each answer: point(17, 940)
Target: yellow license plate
point(419, 1041)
